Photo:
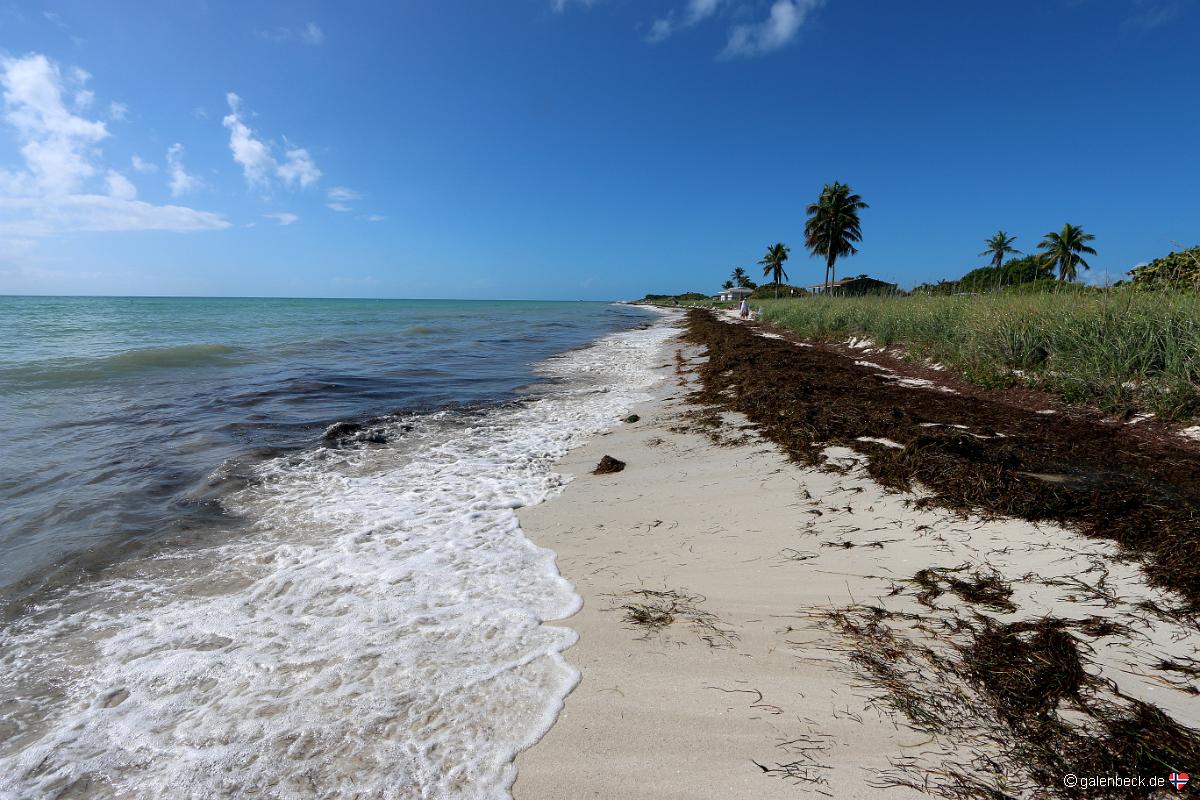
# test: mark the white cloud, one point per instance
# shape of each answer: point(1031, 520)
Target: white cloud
point(282, 217)
point(252, 154)
point(310, 34)
point(695, 12)
point(661, 29)
point(119, 186)
point(142, 165)
point(376, 218)
point(182, 181)
point(342, 194)
point(299, 168)
point(56, 190)
point(339, 198)
point(559, 6)
point(55, 143)
point(99, 213)
point(780, 27)
point(255, 157)
point(117, 111)
point(84, 99)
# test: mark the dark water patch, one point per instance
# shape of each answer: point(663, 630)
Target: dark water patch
point(128, 408)
point(63, 373)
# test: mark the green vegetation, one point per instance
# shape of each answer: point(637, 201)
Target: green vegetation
point(1011, 322)
point(740, 279)
point(1064, 247)
point(1120, 349)
point(1173, 271)
point(833, 226)
point(999, 246)
point(772, 264)
point(1028, 273)
point(777, 290)
point(686, 297)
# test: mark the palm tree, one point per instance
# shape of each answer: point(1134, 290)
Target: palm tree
point(727, 285)
point(772, 264)
point(741, 278)
point(1063, 248)
point(833, 226)
point(998, 247)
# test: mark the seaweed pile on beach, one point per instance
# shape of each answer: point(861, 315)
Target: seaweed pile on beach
point(965, 453)
point(1010, 709)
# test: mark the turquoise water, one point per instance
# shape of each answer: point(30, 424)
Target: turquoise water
point(269, 548)
point(115, 413)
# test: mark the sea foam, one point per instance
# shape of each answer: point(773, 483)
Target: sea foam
point(377, 634)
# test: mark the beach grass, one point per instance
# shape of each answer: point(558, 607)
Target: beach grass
point(1119, 349)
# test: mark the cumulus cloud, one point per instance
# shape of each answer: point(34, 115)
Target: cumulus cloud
point(142, 165)
point(781, 25)
point(256, 159)
point(694, 13)
point(117, 111)
point(55, 142)
point(298, 168)
point(282, 217)
point(119, 186)
point(182, 181)
point(55, 191)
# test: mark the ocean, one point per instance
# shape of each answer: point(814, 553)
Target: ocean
point(268, 548)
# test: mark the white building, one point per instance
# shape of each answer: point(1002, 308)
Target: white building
point(736, 293)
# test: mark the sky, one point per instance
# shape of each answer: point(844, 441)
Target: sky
point(578, 149)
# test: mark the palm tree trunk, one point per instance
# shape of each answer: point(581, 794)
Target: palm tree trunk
point(830, 272)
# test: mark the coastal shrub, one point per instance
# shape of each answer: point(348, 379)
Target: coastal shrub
point(679, 298)
point(1173, 271)
point(1119, 349)
point(1028, 273)
point(768, 291)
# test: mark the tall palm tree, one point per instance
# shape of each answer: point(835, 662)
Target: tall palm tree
point(772, 264)
point(1063, 249)
point(727, 285)
point(833, 226)
point(998, 247)
point(741, 278)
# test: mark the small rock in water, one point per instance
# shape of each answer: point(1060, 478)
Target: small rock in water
point(632, 418)
point(607, 465)
point(341, 434)
point(340, 430)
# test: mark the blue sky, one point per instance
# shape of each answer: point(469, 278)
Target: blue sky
point(565, 149)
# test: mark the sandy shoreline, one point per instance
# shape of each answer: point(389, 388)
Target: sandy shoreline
point(749, 690)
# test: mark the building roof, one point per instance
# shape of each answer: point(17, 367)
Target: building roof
point(845, 281)
point(737, 290)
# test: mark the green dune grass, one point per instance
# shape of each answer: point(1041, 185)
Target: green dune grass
point(1119, 349)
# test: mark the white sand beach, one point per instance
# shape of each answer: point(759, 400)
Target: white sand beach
point(748, 692)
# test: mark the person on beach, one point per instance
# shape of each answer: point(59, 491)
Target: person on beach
point(744, 311)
